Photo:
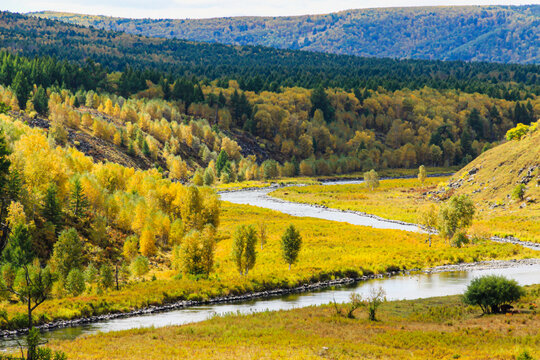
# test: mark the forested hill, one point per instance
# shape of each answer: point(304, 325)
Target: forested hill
point(257, 68)
point(471, 33)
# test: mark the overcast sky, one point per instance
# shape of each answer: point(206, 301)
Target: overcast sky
point(219, 8)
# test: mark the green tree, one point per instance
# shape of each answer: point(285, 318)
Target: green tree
point(75, 283)
point(319, 100)
point(209, 176)
point(22, 88)
point(198, 178)
point(40, 101)
point(371, 178)
point(492, 293)
point(4, 108)
point(18, 250)
point(197, 251)
point(67, 252)
point(291, 242)
point(422, 174)
point(79, 202)
point(5, 177)
point(428, 219)
point(456, 215)
point(270, 169)
point(52, 209)
point(106, 276)
point(243, 251)
point(222, 162)
point(31, 283)
point(519, 192)
point(375, 299)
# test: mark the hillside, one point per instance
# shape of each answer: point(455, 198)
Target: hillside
point(470, 33)
point(256, 68)
point(491, 180)
point(494, 174)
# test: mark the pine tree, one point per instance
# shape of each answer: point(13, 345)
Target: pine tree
point(40, 101)
point(22, 88)
point(221, 162)
point(52, 209)
point(79, 202)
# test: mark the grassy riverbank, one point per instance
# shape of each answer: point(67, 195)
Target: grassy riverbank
point(435, 328)
point(404, 199)
point(329, 250)
point(396, 199)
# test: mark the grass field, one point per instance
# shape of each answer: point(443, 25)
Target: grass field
point(436, 328)
point(329, 250)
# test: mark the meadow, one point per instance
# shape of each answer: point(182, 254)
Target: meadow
point(435, 328)
point(329, 250)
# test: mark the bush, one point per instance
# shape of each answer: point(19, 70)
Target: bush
point(519, 192)
point(459, 239)
point(140, 266)
point(525, 356)
point(492, 293)
point(517, 133)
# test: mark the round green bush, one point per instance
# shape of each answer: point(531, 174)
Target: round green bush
point(492, 293)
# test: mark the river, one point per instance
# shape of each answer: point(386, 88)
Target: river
point(453, 280)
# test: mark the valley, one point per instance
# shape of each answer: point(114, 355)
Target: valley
point(188, 194)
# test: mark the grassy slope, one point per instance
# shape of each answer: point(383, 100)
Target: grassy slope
point(436, 328)
point(468, 33)
point(355, 249)
point(499, 171)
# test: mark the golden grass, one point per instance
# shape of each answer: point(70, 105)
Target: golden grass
point(436, 328)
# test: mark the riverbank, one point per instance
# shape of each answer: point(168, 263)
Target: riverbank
point(433, 328)
point(305, 288)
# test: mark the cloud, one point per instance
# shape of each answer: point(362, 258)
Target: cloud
point(221, 8)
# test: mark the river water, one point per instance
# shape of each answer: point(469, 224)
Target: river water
point(412, 286)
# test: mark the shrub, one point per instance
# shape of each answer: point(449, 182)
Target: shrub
point(140, 266)
point(517, 133)
point(460, 239)
point(519, 192)
point(525, 356)
point(492, 293)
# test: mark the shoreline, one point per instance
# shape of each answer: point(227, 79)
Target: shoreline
point(268, 294)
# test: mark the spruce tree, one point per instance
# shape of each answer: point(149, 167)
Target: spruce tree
point(22, 88)
point(79, 202)
point(40, 101)
point(52, 209)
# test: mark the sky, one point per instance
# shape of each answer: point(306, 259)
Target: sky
point(182, 9)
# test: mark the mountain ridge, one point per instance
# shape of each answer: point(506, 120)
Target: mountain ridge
point(471, 33)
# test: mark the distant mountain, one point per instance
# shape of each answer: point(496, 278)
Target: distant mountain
point(256, 68)
point(471, 33)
